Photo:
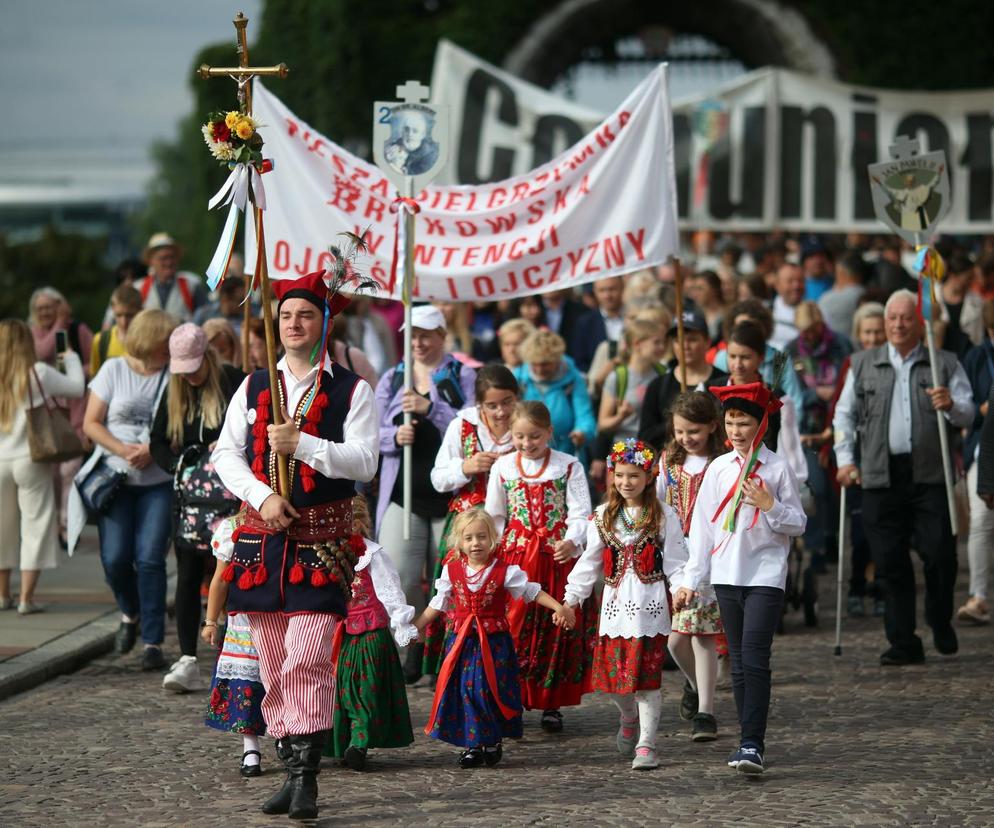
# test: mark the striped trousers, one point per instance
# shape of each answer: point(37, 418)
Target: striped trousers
point(296, 670)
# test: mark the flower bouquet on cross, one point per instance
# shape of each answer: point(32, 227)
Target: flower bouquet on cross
point(233, 137)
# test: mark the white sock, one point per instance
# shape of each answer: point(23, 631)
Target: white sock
point(250, 743)
point(683, 654)
point(127, 619)
point(650, 704)
point(706, 667)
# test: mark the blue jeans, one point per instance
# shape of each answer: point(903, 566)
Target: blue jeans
point(134, 539)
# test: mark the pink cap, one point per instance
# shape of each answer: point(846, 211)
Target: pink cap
point(187, 346)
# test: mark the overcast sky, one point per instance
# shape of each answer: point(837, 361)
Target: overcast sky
point(88, 85)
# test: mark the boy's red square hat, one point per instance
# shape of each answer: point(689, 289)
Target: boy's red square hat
point(314, 289)
point(754, 398)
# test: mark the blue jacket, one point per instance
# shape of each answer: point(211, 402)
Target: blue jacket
point(978, 363)
point(568, 402)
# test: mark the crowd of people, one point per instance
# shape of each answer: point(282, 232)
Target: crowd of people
point(715, 444)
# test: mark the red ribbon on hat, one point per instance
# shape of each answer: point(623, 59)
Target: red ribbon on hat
point(399, 205)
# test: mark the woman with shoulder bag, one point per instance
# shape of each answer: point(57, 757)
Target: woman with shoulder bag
point(28, 513)
point(135, 524)
point(186, 426)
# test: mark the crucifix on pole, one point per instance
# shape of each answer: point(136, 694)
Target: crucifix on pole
point(242, 75)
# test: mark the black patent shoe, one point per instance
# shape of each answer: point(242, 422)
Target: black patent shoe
point(251, 770)
point(492, 755)
point(127, 635)
point(552, 721)
point(355, 758)
point(945, 640)
point(472, 758)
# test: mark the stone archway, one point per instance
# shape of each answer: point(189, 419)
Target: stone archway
point(757, 32)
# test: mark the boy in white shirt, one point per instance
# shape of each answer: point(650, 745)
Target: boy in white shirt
point(747, 510)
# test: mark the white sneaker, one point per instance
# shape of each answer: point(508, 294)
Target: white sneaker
point(183, 676)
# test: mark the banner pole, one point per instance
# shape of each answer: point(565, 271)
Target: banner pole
point(408, 458)
point(681, 359)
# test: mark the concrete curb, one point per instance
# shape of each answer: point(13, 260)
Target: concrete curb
point(68, 652)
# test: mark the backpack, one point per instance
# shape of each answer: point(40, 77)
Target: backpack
point(621, 377)
point(446, 381)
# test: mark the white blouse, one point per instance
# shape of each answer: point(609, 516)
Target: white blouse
point(386, 585)
point(515, 582)
point(447, 475)
point(754, 556)
point(578, 507)
point(632, 609)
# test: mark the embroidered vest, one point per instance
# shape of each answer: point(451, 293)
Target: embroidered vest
point(536, 513)
point(488, 604)
point(681, 490)
point(644, 556)
point(473, 493)
point(366, 611)
point(326, 419)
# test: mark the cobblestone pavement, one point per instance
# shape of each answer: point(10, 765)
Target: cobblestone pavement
point(850, 743)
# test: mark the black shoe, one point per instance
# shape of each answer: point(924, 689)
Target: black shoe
point(127, 635)
point(895, 657)
point(355, 758)
point(279, 802)
point(879, 607)
point(305, 765)
point(689, 703)
point(705, 728)
point(472, 758)
point(153, 659)
point(552, 721)
point(251, 770)
point(492, 755)
point(856, 607)
point(412, 663)
point(945, 640)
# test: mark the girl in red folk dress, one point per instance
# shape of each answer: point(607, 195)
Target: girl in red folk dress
point(539, 500)
point(478, 696)
point(472, 443)
point(697, 630)
point(637, 543)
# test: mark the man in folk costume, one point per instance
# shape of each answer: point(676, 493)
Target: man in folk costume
point(166, 287)
point(292, 559)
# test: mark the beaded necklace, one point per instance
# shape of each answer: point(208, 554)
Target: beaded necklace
point(540, 472)
point(633, 526)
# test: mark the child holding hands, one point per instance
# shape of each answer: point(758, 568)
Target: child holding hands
point(478, 697)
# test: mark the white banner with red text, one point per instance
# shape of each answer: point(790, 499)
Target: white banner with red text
point(606, 206)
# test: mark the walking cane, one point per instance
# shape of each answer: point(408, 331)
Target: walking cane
point(842, 566)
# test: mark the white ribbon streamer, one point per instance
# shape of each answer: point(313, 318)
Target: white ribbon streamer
point(243, 180)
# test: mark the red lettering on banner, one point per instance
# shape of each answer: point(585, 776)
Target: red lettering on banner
point(291, 127)
point(561, 199)
point(435, 226)
point(423, 255)
point(483, 286)
point(359, 174)
point(512, 285)
point(575, 257)
point(516, 252)
point(374, 209)
point(637, 241)
point(316, 147)
point(527, 277)
point(536, 209)
point(470, 255)
point(453, 292)
point(344, 195)
point(381, 188)
point(550, 233)
point(494, 253)
point(303, 271)
point(281, 256)
point(502, 223)
point(590, 267)
point(497, 198)
point(339, 164)
point(452, 201)
point(449, 253)
point(555, 264)
point(613, 254)
point(605, 136)
point(466, 228)
point(373, 241)
point(580, 157)
point(584, 186)
point(623, 118)
point(380, 275)
point(520, 191)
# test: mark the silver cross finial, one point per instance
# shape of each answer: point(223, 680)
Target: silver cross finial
point(412, 92)
point(904, 148)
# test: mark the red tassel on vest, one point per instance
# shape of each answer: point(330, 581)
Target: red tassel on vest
point(647, 559)
point(245, 580)
point(608, 561)
point(296, 574)
point(229, 573)
point(318, 578)
point(260, 576)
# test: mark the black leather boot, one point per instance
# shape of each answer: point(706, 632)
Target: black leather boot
point(305, 765)
point(279, 802)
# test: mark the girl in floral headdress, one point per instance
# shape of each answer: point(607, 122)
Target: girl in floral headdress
point(540, 502)
point(697, 631)
point(637, 543)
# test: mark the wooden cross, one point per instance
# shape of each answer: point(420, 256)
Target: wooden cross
point(242, 75)
point(412, 92)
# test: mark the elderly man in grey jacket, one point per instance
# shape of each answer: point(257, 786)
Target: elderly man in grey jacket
point(888, 400)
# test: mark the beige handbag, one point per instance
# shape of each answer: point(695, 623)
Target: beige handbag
point(51, 438)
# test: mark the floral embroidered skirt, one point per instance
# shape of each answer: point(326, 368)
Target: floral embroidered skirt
point(627, 665)
point(435, 631)
point(700, 619)
point(468, 716)
point(372, 699)
point(236, 689)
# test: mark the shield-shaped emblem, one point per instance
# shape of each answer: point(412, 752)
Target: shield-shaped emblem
point(911, 192)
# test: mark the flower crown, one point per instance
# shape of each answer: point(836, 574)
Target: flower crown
point(631, 452)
